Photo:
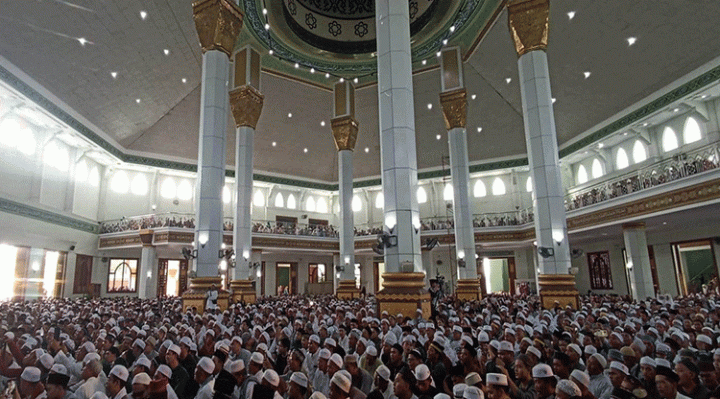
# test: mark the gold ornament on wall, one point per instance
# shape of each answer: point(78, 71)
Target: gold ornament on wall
point(246, 105)
point(528, 22)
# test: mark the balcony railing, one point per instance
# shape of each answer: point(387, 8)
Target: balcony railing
point(678, 167)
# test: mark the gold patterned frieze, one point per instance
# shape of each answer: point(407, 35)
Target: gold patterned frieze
point(528, 22)
point(246, 104)
point(345, 131)
point(218, 24)
point(454, 107)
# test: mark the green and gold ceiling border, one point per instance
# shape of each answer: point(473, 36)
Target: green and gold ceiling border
point(20, 209)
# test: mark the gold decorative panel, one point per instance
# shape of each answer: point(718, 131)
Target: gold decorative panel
point(246, 104)
point(345, 131)
point(454, 107)
point(528, 22)
point(218, 24)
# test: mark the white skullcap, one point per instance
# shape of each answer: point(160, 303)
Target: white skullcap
point(120, 372)
point(261, 347)
point(141, 378)
point(47, 360)
point(581, 376)
point(315, 338)
point(59, 369)
point(371, 350)
point(459, 390)
point(473, 393)
point(506, 346)
point(422, 372)
point(140, 343)
point(165, 370)
point(335, 358)
point(272, 377)
point(496, 379)
point(441, 396)
point(601, 359)
point(535, 351)
point(472, 379)
point(31, 374)
point(542, 370)
point(704, 338)
point(663, 362)
point(144, 361)
point(590, 350)
point(99, 395)
point(390, 339)
point(186, 341)
point(206, 364)
point(576, 348)
point(174, 348)
point(317, 395)
point(331, 342)
point(299, 378)
point(257, 357)
point(648, 361)
point(619, 366)
point(237, 366)
point(325, 354)
point(568, 387)
point(383, 372)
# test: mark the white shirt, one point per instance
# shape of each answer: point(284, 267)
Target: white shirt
point(206, 389)
point(121, 394)
point(88, 389)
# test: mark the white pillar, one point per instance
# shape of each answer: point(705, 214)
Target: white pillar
point(347, 226)
point(462, 211)
point(147, 275)
point(397, 135)
point(638, 258)
point(211, 162)
point(242, 234)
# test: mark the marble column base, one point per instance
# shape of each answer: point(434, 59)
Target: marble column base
point(404, 293)
point(558, 289)
point(195, 296)
point(468, 290)
point(347, 290)
point(242, 291)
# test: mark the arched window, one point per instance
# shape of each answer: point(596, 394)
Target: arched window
point(639, 152)
point(669, 139)
point(258, 198)
point(94, 177)
point(356, 204)
point(184, 190)
point(81, 171)
point(322, 205)
point(479, 189)
point(597, 169)
point(168, 189)
point(448, 192)
point(529, 184)
point(380, 200)
point(582, 176)
point(279, 201)
point(621, 159)
point(310, 204)
point(421, 195)
point(691, 132)
point(291, 202)
point(139, 185)
point(498, 187)
point(227, 195)
point(120, 182)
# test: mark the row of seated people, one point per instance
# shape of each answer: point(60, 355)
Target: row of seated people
point(147, 222)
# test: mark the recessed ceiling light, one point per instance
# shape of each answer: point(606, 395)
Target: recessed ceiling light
point(367, 150)
point(452, 29)
point(297, 65)
point(553, 100)
point(664, 222)
point(289, 114)
point(271, 52)
point(479, 129)
point(274, 144)
point(646, 124)
point(445, 42)
point(143, 15)
point(166, 51)
point(264, 11)
point(424, 62)
point(327, 75)
point(585, 152)
point(113, 74)
point(267, 26)
point(508, 80)
point(625, 134)
point(82, 41)
point(438, 54)
point(587, 74)
point(312, 70)
point(438, 137)
point(429, 105)
point(322, 123)
point(631, 40)
point(342, 80)
point(355, 80)
point(676, 109)
point(571, 15)
point(601, 145)
point(474, 96)
point(305, 150)
point(704, 96)
point(184, 80)
point(137, 100)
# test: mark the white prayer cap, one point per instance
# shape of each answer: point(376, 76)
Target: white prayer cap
point(324, 354)
point(299, 378)
point(422, 372)
point(341, 381)
point(619, 366)
point(144, 361)
point(335, 358)
point(704, 338)
point(142, 379)
point(568, 387)
point(165, 370)
point(315, 338)
point(139, 343)
point(535, 351)
point(648, 361)
point(590, 350)
point(542, 370)
point(496, 379)
point(207, 365)
point(331, 342)
point(601, 359)
point(257, 357)
point(59, 369)
point(371, 350)
point(383, 372)
point(317, 395)
point(47, 360)
point(31, 374)
point(237, 366)
point(576, 348)
point(472, 379)
point(442, 396)
point(506, 346)
point(581, 377)
point(473, 393)
point(174, 348)
point(120, 372)
point(459, 390)
point(272, 377)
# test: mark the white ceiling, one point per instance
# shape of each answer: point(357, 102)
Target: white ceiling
point(40, 36)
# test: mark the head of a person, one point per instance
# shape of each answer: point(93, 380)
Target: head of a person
point(298, 386)
point(140, 385)
point(163, 374)
point(497, 386)
point(270, 379)
point(544, 380)
point(351, 365)
point(296, 360)
point(523, 368)
point(90, 369)
point(339, 386)
point(116, 380)
point(403, 383)
point(414, 358)
point(396, 353)
point(566, 389)
point(30, 384)
point(666, 382)
point(204, 370)
point(688, 373)
point(382, 377)
point(423, 378)
point(561, 365)
point(617, 373)
point(335, 364)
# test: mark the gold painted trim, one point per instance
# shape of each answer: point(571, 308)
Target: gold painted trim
point(345, 131)
point(218, 24)
point(528, 22)
point(454, 107)
point(246, 105)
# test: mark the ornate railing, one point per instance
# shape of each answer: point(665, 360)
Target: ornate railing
point(678, 167)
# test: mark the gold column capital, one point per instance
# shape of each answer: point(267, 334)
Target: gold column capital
point(218, 24)
point(633, 225)
point(454, 107)
point(246, 105)
point(146, 237)
point(528, 22)
point(345, 131)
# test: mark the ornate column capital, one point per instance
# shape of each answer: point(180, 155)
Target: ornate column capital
point(218, 24)
point(345, 131)
point(528, 22)
point(146, 237)
point(454, 107)
point(633, 225)
point(246, 105)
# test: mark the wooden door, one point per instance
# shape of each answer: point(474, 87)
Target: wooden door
point(293, 278)
point(83, 274)
point(162, 277)
point(653, 268)
point(60, 275)
point(183, 276)
point(512, 275)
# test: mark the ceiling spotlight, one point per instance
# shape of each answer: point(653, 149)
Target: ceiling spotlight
point(355, 80)
point(438, 54)
point(264, 11)
point(571, 15)
point(184, 80)
point(601, 145)
point(274, 144)
point(479, 129)
point(367, 150)
point(305, 150)
point(553, 100)
point(474, 96)
point(113, 74)
point(267, 26)
point(676, 109)
point(587, 74)
point(271, 52)
point(704, 96)
point(289, 114)
point(429, 105)
point(312, 70)
point(322, 123)
point(625, 134)
point(327, 76)
point(297, 65)
point(82, 41)
point(631, 40)
point(143, 15)
point(424, 62)
point(445, 42)
point(137, 100)
point(438, 137)
point(452, 29)
point(166, 51)
point(646, 124)
point(508, 80)
point(342, 80)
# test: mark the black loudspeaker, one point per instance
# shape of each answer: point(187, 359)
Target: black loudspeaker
point(72, 248)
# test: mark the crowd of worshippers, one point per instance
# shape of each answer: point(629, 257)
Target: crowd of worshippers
point(300, 347)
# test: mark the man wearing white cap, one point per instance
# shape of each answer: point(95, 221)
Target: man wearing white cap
point(311, 360)
point(381, 383)
point(600, 385)
point(617, 373)
point(162, 377)
point(369, 360)
point(497, 385)
point(403, 384)
point(361, 379)
point(582, 380)
point(179, 376)
point(544, 380)
point(92, 381)
point(115, 386)
point(426, 388)
point(204, 377)
point(321, 382)
point(139, 385)
point(255, 373)
point(30, 385)
point(339, 387)
point(268, 386)
point(298, 385)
